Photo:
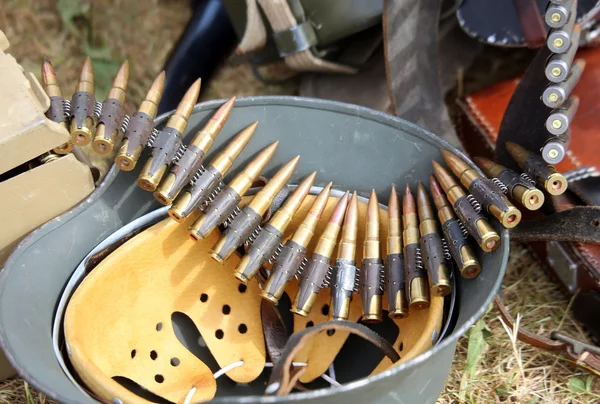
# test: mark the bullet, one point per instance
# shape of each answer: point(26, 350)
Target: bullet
point(140, 126)
point(562, 24)
point(483, 190)
point(56, 112)
point(182, 170)
point(345, 271)
point(291, 259)
point(206, 182)
point(544, 174)
point(559, 64)
point(394, 266)
point(555, 148)
point(168, 141)
point(557, 93)
point(417, 291)
point(559, 120)
point(83, 106)
point(372, 273)
point(226, 202)
point(556, 16)
point(269, 237)
point(519, 189)
point(244, 224)
point(108, 129)
point(317, 274)
point(430, 243)
point(460, 250)
point(474, 222)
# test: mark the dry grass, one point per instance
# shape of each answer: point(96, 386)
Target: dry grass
point(488, 366)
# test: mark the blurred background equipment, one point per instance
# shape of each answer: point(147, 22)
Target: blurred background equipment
point(36, 185)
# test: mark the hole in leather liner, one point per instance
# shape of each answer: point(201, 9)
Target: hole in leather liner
point(219, 334)
point(310, 324)
point(159, 378)
point(203, 297)
point(330, 332)
point(242, 288)
point(175, 361)
point(401, 346)
point(596, 222)
point(140, 390)
point(325, 309)
point(153, 355)
point(189, 336)
point(226, 309)
point(133, 354)
point(158, 326)
point(243, 328)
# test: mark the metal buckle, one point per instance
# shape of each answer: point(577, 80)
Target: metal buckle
point(564, 267)
point(578, 347)
point(296, 39)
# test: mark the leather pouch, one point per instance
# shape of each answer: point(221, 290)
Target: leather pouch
point(565, 240)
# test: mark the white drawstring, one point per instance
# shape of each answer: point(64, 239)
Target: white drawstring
point(221, 372)
point(227, 368)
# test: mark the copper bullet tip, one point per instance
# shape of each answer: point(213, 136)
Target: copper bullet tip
point(223, 112)
point(436, 189)
point(393, 205)
point(408, 203)
point(351, 218)
point(422, 199)
point(188, 100)
point(456, 164)
point(122, 76)
point(373, 207)
point(338, 214)
point(87, 71)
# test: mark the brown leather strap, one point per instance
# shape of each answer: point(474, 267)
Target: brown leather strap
point(577, 352)
point(531, 22)
point(284, 376)
point(579, 224)
point(274, 330)
point(410, 33)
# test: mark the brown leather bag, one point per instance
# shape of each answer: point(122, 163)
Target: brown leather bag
point(566, 239)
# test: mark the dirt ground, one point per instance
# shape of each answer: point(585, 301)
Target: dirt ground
point(488, 367)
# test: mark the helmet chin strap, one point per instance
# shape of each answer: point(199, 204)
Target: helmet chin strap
point(329, 378)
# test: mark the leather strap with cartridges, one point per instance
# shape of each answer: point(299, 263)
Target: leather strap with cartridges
point(566, 238)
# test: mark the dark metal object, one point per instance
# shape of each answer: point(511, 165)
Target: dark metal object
point(82, 107)
point(207, 39)
point(342, 288)
point(138, 131)
point(395, 280)
point(286, 266)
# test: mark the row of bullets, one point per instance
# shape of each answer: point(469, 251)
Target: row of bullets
point(563, 74)
point(417, 262)
point(105, 126)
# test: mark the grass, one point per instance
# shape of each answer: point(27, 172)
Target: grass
point(489, 365)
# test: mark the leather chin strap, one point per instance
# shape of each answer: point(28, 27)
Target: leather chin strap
point(580, 224)
point(285, 377)
point(579, 353)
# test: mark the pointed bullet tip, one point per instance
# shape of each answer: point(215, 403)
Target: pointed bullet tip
point(407, 189)
point(46, 61)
